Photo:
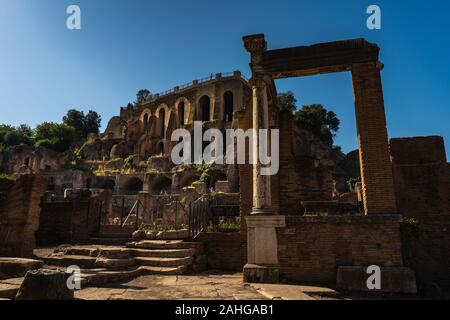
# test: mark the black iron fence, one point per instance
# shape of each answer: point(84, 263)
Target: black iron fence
point(214, 214)
point(199, 216)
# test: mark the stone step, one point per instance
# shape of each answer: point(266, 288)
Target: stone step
point(162, 253)
point(70, 260)
point(17, 267)
point(96, 277)
point(163, 262)
point(87, 261)
point(79, 251)
point(97, 251)
point(9, 288)
point(166, 244)
point(113, 263)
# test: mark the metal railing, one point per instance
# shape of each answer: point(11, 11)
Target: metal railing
point(199, 216)
point(194, 83)
point(134, 212)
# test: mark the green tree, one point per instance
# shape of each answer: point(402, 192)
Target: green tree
point(76, 119)
point(92, 122)
point(14, 136)
point(141, 96)
point(4, 129)
point(286, 101)
point(83, 124)
point(322, 123)
point(54, 136)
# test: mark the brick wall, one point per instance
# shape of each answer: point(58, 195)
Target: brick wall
point(427, 252)
point(422, 180)
point(311, 248)
point(417, 150)
point(68, 221)
point(301, 177)
point(225, 251)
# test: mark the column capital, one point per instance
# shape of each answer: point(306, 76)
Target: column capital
point(255, 44)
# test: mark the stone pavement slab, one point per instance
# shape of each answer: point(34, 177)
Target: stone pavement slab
point(156, 287)
point(282, 291)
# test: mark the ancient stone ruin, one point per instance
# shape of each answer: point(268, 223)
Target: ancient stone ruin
point(121, 208)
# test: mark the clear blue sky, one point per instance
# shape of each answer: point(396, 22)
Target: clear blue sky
point(123, 46)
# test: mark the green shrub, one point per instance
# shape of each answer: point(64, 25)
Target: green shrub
point(227, 225)
point(128, 161)
point(54, 136)
point(351, 183)
point(6, 176)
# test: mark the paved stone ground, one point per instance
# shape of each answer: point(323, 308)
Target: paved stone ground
point(205, 286)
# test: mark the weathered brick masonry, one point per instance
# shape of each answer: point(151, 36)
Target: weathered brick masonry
point(225, 251)
point(311, 248)
point(422, 179)
point(19, 214)
point(72, 221)
point(376, 170)
point(428, 253)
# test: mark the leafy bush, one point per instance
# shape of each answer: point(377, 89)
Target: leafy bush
point(227, 225)
point(54, 136)
point(351, 183)
point(6, 176)
point(128, 161)
point(14, 136)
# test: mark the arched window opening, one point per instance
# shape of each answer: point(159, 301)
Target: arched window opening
point(181, 110)
point(162, 186)
point(132, 186)
point(228, 100)
point(161, 148)
point(162, 121)
point(145, 122)
point(205, 109)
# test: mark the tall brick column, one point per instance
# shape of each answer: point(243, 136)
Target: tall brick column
point(376, 170)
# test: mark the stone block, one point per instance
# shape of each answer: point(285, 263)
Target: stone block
point(393, 280)
point(45, 284)
point(17, 267)
point(261, 274)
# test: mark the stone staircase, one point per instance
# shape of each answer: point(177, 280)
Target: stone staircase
point(100, 264)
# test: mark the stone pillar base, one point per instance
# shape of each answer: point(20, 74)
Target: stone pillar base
point(261, 274)
point(262, 248)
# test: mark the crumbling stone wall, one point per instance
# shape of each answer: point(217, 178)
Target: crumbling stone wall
point(422, 179)
point(311, 248)
point(19, 214)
